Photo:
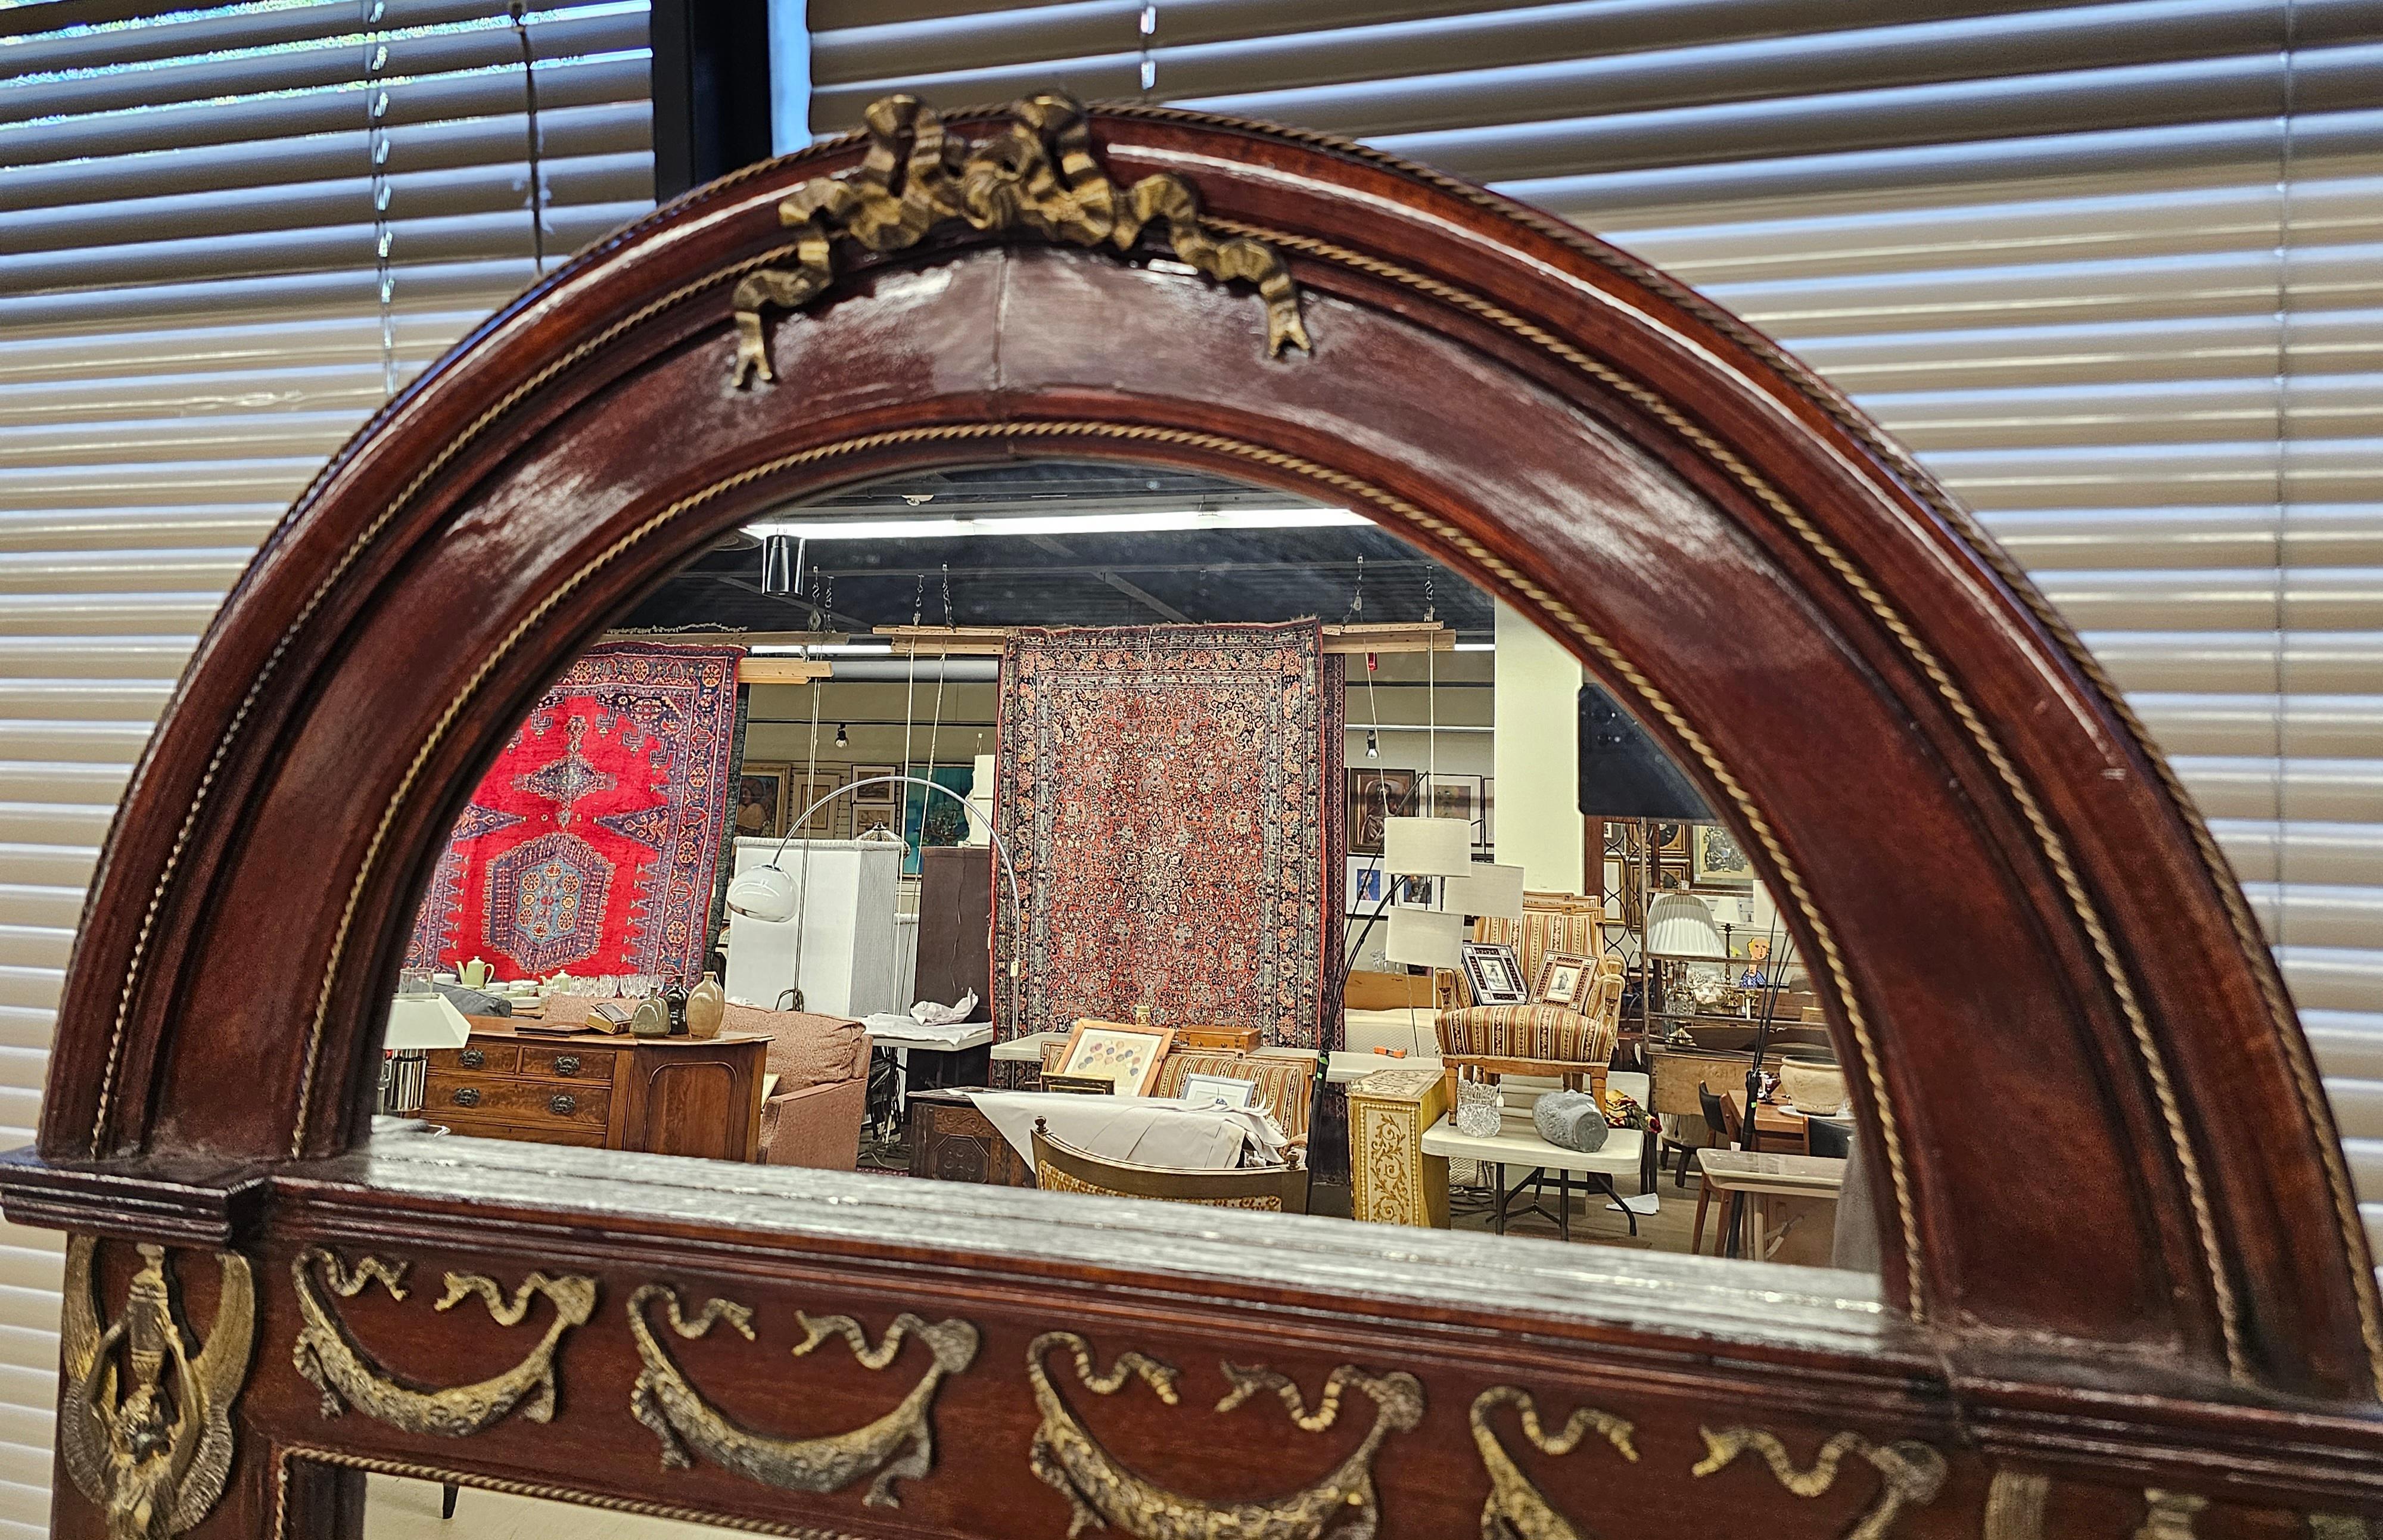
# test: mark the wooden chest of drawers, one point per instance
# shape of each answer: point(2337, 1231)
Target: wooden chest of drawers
point(951, 1142)
point(663, 1096)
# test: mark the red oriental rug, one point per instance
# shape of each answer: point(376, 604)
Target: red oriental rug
point(595, 844)
point(1163, 795)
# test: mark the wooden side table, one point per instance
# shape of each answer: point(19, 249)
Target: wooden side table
point(1793, 1201)
point(951, 1142)
point(660, 1096)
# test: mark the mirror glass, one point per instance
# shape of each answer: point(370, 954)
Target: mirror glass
point(1117, 829)
point(397, 1508)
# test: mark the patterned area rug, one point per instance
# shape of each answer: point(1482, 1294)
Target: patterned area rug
point(1164, 793)
point(595, 844)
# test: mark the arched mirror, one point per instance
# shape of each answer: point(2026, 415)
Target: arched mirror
point(750, 881)
point(1066, 819)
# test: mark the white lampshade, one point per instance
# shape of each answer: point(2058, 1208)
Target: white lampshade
point(425, 1021)
point(1429, 938)
point(1485, 889)
point(1681, 925)
point(764, 892)
point(1428, 847)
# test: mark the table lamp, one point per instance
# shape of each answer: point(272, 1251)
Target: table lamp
point(420, 1018)
point(1681, 925)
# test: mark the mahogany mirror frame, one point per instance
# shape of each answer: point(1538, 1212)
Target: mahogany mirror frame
point(2123, 1273)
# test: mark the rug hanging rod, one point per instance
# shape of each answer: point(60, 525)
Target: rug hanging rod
point(987, 641)
point(756, 670)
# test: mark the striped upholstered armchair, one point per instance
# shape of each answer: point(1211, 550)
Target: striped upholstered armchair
point(1543, 1040)
point(1286, 1083)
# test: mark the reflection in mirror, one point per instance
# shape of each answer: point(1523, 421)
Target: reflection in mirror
point(1116, 829)
point(396, 1507)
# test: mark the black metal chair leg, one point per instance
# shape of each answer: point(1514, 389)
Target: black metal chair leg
point(446, 1501)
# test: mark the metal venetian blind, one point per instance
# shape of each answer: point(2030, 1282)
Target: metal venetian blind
point(191, 323)
point(2111, 270)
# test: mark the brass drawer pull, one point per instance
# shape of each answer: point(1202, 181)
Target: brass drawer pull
point(473, 1058)
point(468, 1097)
point(564, 1106)
point(567, 1064)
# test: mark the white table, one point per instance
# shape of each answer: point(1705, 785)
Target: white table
point(1518, 1144)
point(1025, 1050)
point(900, 1037)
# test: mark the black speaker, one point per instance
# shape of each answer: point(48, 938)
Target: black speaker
point(1626, 774)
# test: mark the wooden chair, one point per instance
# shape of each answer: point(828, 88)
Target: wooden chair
point(1061, 1168)
point(1721, 1123)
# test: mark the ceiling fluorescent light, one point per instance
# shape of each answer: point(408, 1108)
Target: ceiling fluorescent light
point(793, 649)
point(1186, 521)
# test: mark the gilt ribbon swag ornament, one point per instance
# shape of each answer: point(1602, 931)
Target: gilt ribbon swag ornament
point(1036, 175)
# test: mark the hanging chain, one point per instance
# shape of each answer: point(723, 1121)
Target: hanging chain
point(376, 156)
point(1149, 30)
point(910, 695)
point(935, 732)
point(529, 102)
point(1357, 596)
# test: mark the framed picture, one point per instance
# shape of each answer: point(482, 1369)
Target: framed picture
point(1495, 973)
point(887, 796)
point(803, 789)
point(761, 801)
point(1120, 1051)
point(1717, 861)
point(1563, 979)
point(931, 820)
point(1079, 1085)
point(1454, 796)
point(1364, 885)
point(1671, 841)
point(1374, 795)
point(1213, 1091)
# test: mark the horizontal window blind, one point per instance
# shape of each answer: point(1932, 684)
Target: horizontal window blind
point(192, 321)
point(2110, 270)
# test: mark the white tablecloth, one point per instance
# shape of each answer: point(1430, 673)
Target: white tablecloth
point(1146, 1130)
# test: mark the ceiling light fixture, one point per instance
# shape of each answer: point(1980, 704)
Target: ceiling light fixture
point(1163, 522)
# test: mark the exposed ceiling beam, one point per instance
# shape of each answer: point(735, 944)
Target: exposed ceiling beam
point(1139, 596)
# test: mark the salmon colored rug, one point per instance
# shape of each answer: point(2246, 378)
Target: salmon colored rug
point(1162, 792)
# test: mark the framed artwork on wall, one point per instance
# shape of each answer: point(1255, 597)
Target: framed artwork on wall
point(761, 811)
point(805, 788)
point(1364, 884)
point(1717, 862)
point(1671, 841)
point(886, 798)
point(1374, 795)
point(1455, 796)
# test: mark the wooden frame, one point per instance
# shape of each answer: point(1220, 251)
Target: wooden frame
point(2182, 1309)
point(1276, 1189)
point(1161, 1039)
point(1584, 974)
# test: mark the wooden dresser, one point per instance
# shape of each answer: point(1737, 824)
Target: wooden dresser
point(664, 1096)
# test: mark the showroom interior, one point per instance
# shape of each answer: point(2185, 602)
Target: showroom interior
point(1265, 851)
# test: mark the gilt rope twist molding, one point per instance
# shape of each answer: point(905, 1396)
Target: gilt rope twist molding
point(1103, 1493)
point(333, 1365)
point(1517, 1508)
point(1910, 1473)
point(898, 1446)
point(1037, 175)
point(152, 1452)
